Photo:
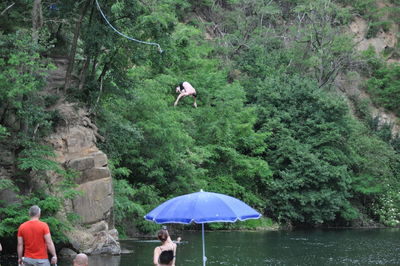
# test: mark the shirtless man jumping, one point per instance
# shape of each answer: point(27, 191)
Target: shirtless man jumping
point(185, 89)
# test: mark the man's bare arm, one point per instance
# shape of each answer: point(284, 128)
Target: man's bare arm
point(51, 248)
point(20, 249)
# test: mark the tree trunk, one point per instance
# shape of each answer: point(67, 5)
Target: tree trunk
point(74, 45)
point(24, 127)
point(94, 66)
point(106, 66)
point(82, 76)
point(104, 71)
point(37, 19)
point(3, 111)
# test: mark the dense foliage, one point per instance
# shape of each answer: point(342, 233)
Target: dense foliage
point(385, 86)
point(270, 128)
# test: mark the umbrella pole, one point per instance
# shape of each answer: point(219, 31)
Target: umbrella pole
point(204, 245)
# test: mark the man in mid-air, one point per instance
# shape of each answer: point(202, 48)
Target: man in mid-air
point(185, 89)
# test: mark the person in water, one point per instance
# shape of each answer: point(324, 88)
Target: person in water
point(186, 89)
point(81, 259)
point(164, 255)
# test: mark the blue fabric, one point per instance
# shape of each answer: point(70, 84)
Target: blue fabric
point(202, 207)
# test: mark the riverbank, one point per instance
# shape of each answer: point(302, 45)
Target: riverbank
point(262, 224)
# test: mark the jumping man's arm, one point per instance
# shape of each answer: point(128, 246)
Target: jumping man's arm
point(179, 97)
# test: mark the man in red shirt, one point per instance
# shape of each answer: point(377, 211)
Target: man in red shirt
point(34, 240)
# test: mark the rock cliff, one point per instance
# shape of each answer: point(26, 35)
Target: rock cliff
point(353, 86)
point(74, 144)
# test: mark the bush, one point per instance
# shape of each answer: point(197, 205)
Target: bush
point(384, 85)
point(387, 208)
point(13, 215)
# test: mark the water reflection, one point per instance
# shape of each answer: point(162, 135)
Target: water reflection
point(96, 261)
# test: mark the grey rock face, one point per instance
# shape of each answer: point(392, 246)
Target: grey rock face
point(75, 146)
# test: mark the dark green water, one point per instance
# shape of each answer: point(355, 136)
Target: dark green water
point(308, 247)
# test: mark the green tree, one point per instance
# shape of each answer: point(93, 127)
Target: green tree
point(307, 151)
point(384, 85)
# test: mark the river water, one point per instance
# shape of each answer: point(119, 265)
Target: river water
point(299, 247)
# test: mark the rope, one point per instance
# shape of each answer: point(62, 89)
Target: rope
point(120, 33)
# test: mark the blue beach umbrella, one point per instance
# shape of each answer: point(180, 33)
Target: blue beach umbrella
point(202, 207)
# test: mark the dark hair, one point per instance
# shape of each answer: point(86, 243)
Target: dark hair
point(181, 86)
point(162, 235)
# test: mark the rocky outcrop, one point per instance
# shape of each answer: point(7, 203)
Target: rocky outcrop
point(384, 40)
point(380, 42)
point(74, 144)
point(352, 89)
point(98, 239)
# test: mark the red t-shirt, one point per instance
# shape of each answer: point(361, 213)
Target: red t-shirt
point(33, 234)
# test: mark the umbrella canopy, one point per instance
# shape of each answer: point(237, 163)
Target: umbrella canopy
point(202, 207)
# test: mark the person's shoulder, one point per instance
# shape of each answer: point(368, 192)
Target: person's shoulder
point(44, 224)
point(28, 223)
point(23, 225)
point(39, 224)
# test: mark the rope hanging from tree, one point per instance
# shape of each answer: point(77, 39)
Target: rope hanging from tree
point(120, 33)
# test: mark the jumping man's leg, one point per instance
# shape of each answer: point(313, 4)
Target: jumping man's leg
point(194, 104)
